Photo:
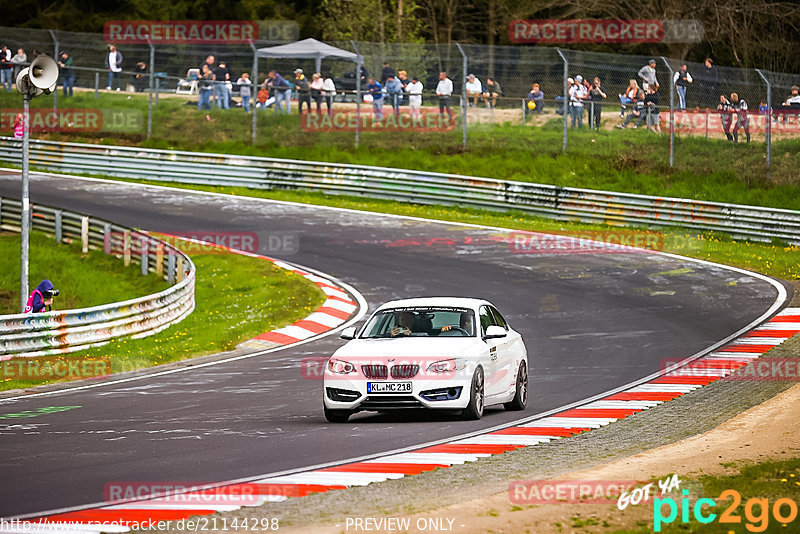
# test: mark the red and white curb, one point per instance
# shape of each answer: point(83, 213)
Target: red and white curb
point(599, 412)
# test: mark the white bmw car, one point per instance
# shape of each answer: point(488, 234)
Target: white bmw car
point(441, 353)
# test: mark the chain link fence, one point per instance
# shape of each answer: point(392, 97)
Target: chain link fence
point(500, 92)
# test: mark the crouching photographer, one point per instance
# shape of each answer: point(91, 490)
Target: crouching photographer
point(41, 297)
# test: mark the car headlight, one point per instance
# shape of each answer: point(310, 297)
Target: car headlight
point(341, 367)
point(448, 366)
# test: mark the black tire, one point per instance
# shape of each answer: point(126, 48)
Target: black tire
point(520, 399)
point(337, 416)
point(477, 400)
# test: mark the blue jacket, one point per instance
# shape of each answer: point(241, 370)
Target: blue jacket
point(38, 302)
point(376, 90)
point(394, 87)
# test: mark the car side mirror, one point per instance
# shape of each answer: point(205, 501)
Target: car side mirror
point(348, 333)
point(495, 331)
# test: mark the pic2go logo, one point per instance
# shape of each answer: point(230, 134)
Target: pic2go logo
point(756, 511)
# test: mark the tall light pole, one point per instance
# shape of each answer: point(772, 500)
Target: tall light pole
point(40, 77)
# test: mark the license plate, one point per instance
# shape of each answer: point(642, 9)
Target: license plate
point(388, 387)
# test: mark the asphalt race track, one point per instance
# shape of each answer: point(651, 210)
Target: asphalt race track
point(591, 322)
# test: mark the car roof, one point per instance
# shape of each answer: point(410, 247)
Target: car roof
point(459, 302)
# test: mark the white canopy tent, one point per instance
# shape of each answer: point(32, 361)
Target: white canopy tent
point(308, 49)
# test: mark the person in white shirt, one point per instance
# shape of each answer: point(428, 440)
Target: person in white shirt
point(414, 90)
point(682, 79)
point(245, 90)
point(474, 90)
point(577, 94)
point(114, 66)
point(329, 91)
point(443, 90)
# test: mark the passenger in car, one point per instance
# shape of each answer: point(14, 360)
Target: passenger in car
point(403, 322)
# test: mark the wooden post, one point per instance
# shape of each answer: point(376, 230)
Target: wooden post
point(144, 245)
point(160, 260)
point(179, 272)
point(126, 247)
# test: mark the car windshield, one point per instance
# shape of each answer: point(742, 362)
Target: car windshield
point(421, 322)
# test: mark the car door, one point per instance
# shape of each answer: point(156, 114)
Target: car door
point(506, 353)
point(494, 384)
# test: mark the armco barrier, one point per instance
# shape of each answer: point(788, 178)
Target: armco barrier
point(58, 332)
point(562, 203)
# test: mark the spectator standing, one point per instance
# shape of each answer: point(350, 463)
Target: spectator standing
point(329, 91)
point(394, 89)
point(5, 68)
point(537, 97)
point(577, 94)
point(375, 89)
point(725, 110)
point(206, 83)
point(386, 72)
point(443, 90)
point(402, 77)
point(651, 106)
point(283, 91)
point(414, 90)
point(19, 126)
point(245, 90)
point(19, 61)
point(491, 90)
point(474, 90)
point(222, 93)
point(739, 106)
point(629, 96)
point(648, 74)
point(210, 62)
point(114, 66)
point(316, 91)
point(709, 78)
point(682, 79)
point(303, 89)
point(67, 73)
point(596, 96)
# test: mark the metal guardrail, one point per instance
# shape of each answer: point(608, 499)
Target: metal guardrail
point(561, 203)
point(57, 332)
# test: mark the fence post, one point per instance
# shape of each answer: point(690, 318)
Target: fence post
point(671, 111)
point(768, 133)
point(59, 228)
point(160, 260)
point(179, 269)
point(566, 97)
point(107, 238)
point(524, 111)
point(55, 93)
point(171, 268)
point(85, 234)
point(254, 92)
point(126, 247)
point(158, 89)
point(464, 101)
point(96, 83)
point(359, 60)
point(144, 245)
point(707, 111)
point(150, 99)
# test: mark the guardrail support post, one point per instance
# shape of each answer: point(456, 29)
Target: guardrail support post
point(566, 97)
point(144, 247)
point(107, 238)
point(768, 132)
point(671, 111)
point(179, 270)
point(126, 247)
point(171, 268)
point(160, 260)
point(59, 228)
point(85, 234)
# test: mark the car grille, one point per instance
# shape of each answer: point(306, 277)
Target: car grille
point(404, 371)
point(388, 402)
point(375, 371)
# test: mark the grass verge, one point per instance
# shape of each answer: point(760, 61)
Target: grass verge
point(236, 298)
point(609, 159)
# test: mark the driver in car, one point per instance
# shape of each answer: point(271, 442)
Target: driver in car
point(402, 323)
point(464, 323)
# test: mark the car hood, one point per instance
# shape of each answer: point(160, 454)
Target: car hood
point(424, 347)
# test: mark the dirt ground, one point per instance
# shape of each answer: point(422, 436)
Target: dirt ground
point(768, 431)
